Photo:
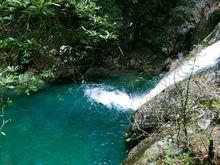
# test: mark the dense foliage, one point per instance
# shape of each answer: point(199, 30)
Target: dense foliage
point(150, 23)
point(32, 27)
point(76, 30)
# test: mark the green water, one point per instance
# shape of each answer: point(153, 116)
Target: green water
point(60, 125)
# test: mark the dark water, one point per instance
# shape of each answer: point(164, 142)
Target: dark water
point(60, 125)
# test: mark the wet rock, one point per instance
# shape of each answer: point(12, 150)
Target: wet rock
point(96, 72)
point(155, 125)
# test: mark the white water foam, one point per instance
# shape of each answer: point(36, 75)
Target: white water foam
point(109, 98)
point(207, 58)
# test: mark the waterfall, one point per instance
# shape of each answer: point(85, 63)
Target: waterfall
point(207, 58)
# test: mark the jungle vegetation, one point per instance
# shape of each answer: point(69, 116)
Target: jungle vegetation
point(87, 29)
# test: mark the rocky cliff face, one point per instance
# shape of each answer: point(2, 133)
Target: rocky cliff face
point(157, 128)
